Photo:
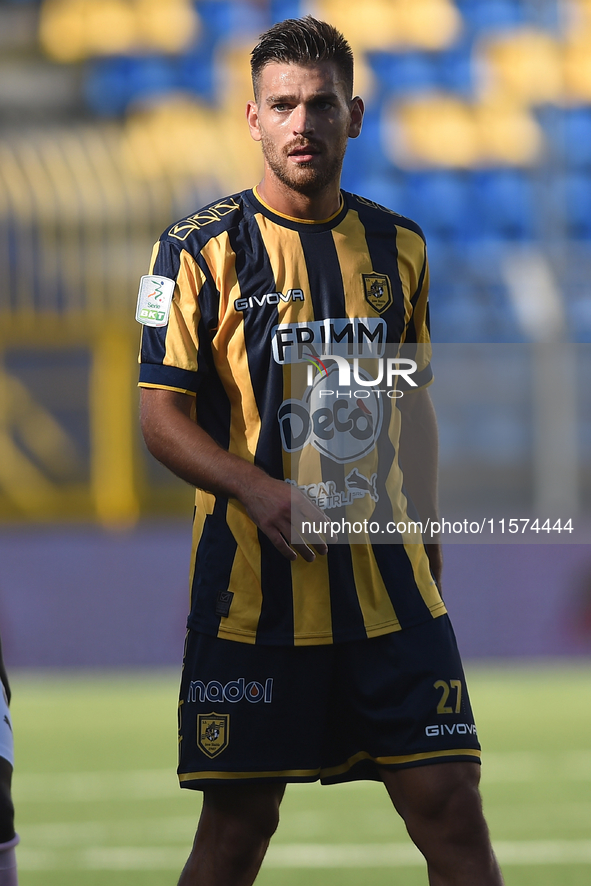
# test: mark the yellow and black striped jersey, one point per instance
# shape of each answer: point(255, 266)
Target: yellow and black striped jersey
point(248, 282)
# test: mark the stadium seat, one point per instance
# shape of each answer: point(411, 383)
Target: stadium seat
point(571, 205)
point(505, 203)
point(454, 69)
point(366, 154)
point(492, 14)
point(282, 9)
point(387, 191)
point(440, 202)
point(111, 84)
point(226, 19)
point(456, 315)
point(575, 138)
point(403, 73)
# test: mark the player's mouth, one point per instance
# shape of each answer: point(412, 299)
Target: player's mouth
point(303, 153)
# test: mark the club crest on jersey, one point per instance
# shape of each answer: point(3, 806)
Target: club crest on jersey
point(378, 291)
point(213, 733)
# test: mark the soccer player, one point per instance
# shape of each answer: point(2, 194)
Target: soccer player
point(302, 661)
point(8, 838)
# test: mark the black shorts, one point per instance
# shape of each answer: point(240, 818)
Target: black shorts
point(338, 713)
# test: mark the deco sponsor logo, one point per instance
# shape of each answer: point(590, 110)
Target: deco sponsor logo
point(233, 691)
point(342, 427)
point(457, 728)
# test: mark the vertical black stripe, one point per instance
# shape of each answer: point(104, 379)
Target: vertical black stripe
point(276, 619)
point(380, 234)
point(346, 613)
point(398, 577)
point(255, 278)
point(328, 300)
point(213, 411)
point(213, 566)
point(324, 274)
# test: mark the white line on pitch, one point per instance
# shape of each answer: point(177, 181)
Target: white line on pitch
point(299, 855)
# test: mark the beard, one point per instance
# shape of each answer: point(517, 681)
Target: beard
point(304, 178)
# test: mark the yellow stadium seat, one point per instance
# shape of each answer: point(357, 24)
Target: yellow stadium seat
point(71, 30)
point(577, 68)
point(389, 24)
point(523, 66)
point(444, 131)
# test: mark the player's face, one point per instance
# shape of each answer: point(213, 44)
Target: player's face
point(303, 119)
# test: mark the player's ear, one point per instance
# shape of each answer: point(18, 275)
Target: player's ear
point(357, 111)
point(252, 118)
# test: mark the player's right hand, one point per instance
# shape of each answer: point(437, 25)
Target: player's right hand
point(279, 510)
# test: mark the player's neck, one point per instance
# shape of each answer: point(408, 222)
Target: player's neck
point(309, 207)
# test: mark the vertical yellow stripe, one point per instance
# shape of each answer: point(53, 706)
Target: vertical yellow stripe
point(155, 251)
point(375, 603)
point(229, 350)
point(411, 257)
point(245, 578)
point(412, 541)
point(231, 360)
point(310, 581)
point(203, 505)
point(182, 337)
point(354, 260)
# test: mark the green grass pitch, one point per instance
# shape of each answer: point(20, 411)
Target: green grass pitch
point(98, 803)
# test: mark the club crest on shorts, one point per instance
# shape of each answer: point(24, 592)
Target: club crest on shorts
point(213, 733)
point(378, 291)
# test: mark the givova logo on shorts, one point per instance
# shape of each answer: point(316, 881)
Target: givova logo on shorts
point(233, 691)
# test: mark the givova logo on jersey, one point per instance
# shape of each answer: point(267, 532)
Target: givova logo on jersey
point(341, 424)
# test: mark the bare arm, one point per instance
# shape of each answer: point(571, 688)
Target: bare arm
point(418, 458)
point(174, 438)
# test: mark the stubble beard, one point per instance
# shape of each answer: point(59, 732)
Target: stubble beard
point(305, 178)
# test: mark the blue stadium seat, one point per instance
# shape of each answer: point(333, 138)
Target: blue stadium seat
point(578, 306)
point(387, 191)
point(454, 69)
point(282, 9)
point(439, 202)
point(106, 86)
point(456, 315)
point(403, 72)
point(365, 155)
point(505, 202)
point(492, 14)
point(196, 72)
point(231, 18)
point(112, 83)
point(571, 205)
point(576, 137)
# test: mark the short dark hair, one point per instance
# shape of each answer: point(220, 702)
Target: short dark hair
point(302, 41)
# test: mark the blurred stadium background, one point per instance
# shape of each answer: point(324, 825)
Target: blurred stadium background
point(117, 116)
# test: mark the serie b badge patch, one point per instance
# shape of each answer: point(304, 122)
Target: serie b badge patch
point(378, 291)
point(213, 733)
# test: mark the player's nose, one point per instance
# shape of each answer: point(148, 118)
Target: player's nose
point(302, 120)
